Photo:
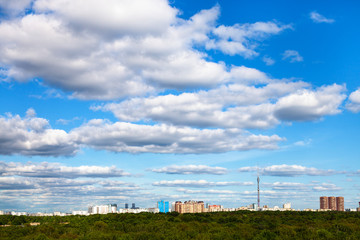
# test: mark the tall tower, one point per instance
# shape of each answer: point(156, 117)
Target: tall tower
point(258, 185)
point(340, 204)
point(324, 204)
point(332, 203)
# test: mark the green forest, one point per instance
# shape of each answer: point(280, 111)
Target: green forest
point(220, 225)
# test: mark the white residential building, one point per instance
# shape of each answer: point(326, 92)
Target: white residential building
point(103, 209)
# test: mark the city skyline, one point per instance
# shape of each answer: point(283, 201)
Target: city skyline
point(137, 101)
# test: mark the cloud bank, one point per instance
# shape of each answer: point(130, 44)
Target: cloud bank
point(289, 171)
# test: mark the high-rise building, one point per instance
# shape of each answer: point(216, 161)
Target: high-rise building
point(102, 209)
point(178, 206)
point(340, 204)
point(113, 208)
point(324, 204)
point(358, 209)
point(163, 206)
point(190, 207)
point(133, 206)
point(126, 206)
point(332, 203)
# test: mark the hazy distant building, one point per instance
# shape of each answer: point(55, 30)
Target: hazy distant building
point(358, 209)
point(163, 206)
point(79, 213)
point(340, 204)
point(253, 206)
point(324, 204)
point(287, 205)
point(126, 205)
point(214, 208)
point(102, 209)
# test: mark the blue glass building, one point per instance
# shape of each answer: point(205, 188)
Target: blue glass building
point(163, 206)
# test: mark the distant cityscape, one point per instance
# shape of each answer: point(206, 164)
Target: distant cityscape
point(326, 204)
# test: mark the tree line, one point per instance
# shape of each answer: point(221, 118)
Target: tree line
point(218, 225)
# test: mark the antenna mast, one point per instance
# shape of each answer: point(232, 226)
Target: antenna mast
point(258, 189)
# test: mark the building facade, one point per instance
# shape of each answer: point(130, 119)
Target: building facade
point(287, 205)
point(102, 209)
point(163, 206)
point(190, 207)
point(340, 204)
point(324, 203)
point(214, 208)
point(332, 203)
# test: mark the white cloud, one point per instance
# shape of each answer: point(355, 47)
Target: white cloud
point(56, 170)
point(306, 105)
point(32, 192)
point(326, 187)
point(136, 48)
point(292, 56)
point(199, 183)
point(235, 105)
point(128, 137)
point(286, 186)
point(288, 171)
point(191, 169)
point(242, 39)
point(112, 17)
point(268, 60)
point(354, 101)
point(33, 136)
point(14, 7)
point(14, 183)
point(210, 191)
point(318, 18)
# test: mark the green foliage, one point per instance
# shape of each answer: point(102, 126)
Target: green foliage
point(240, 225)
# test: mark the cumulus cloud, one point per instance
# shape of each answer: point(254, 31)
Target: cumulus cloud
point(326, 187)
point(191, 169)
point(14, 7)
point(14, 183)
point(210, 191)
point(288, 171)
point(114, 18)
point(136, 48)
point(354, 101)
point(33, 136)
point(199, 183)
point(268, 60)
point(306, 105)
point(241, 38)
point(56, 170)
point(235, 105)
point(128, 137)
point(286, 186)
point(35, 191)
point(292, 56)
point(318, 18)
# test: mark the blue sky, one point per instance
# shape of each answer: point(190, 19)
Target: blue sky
point(138, 101)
